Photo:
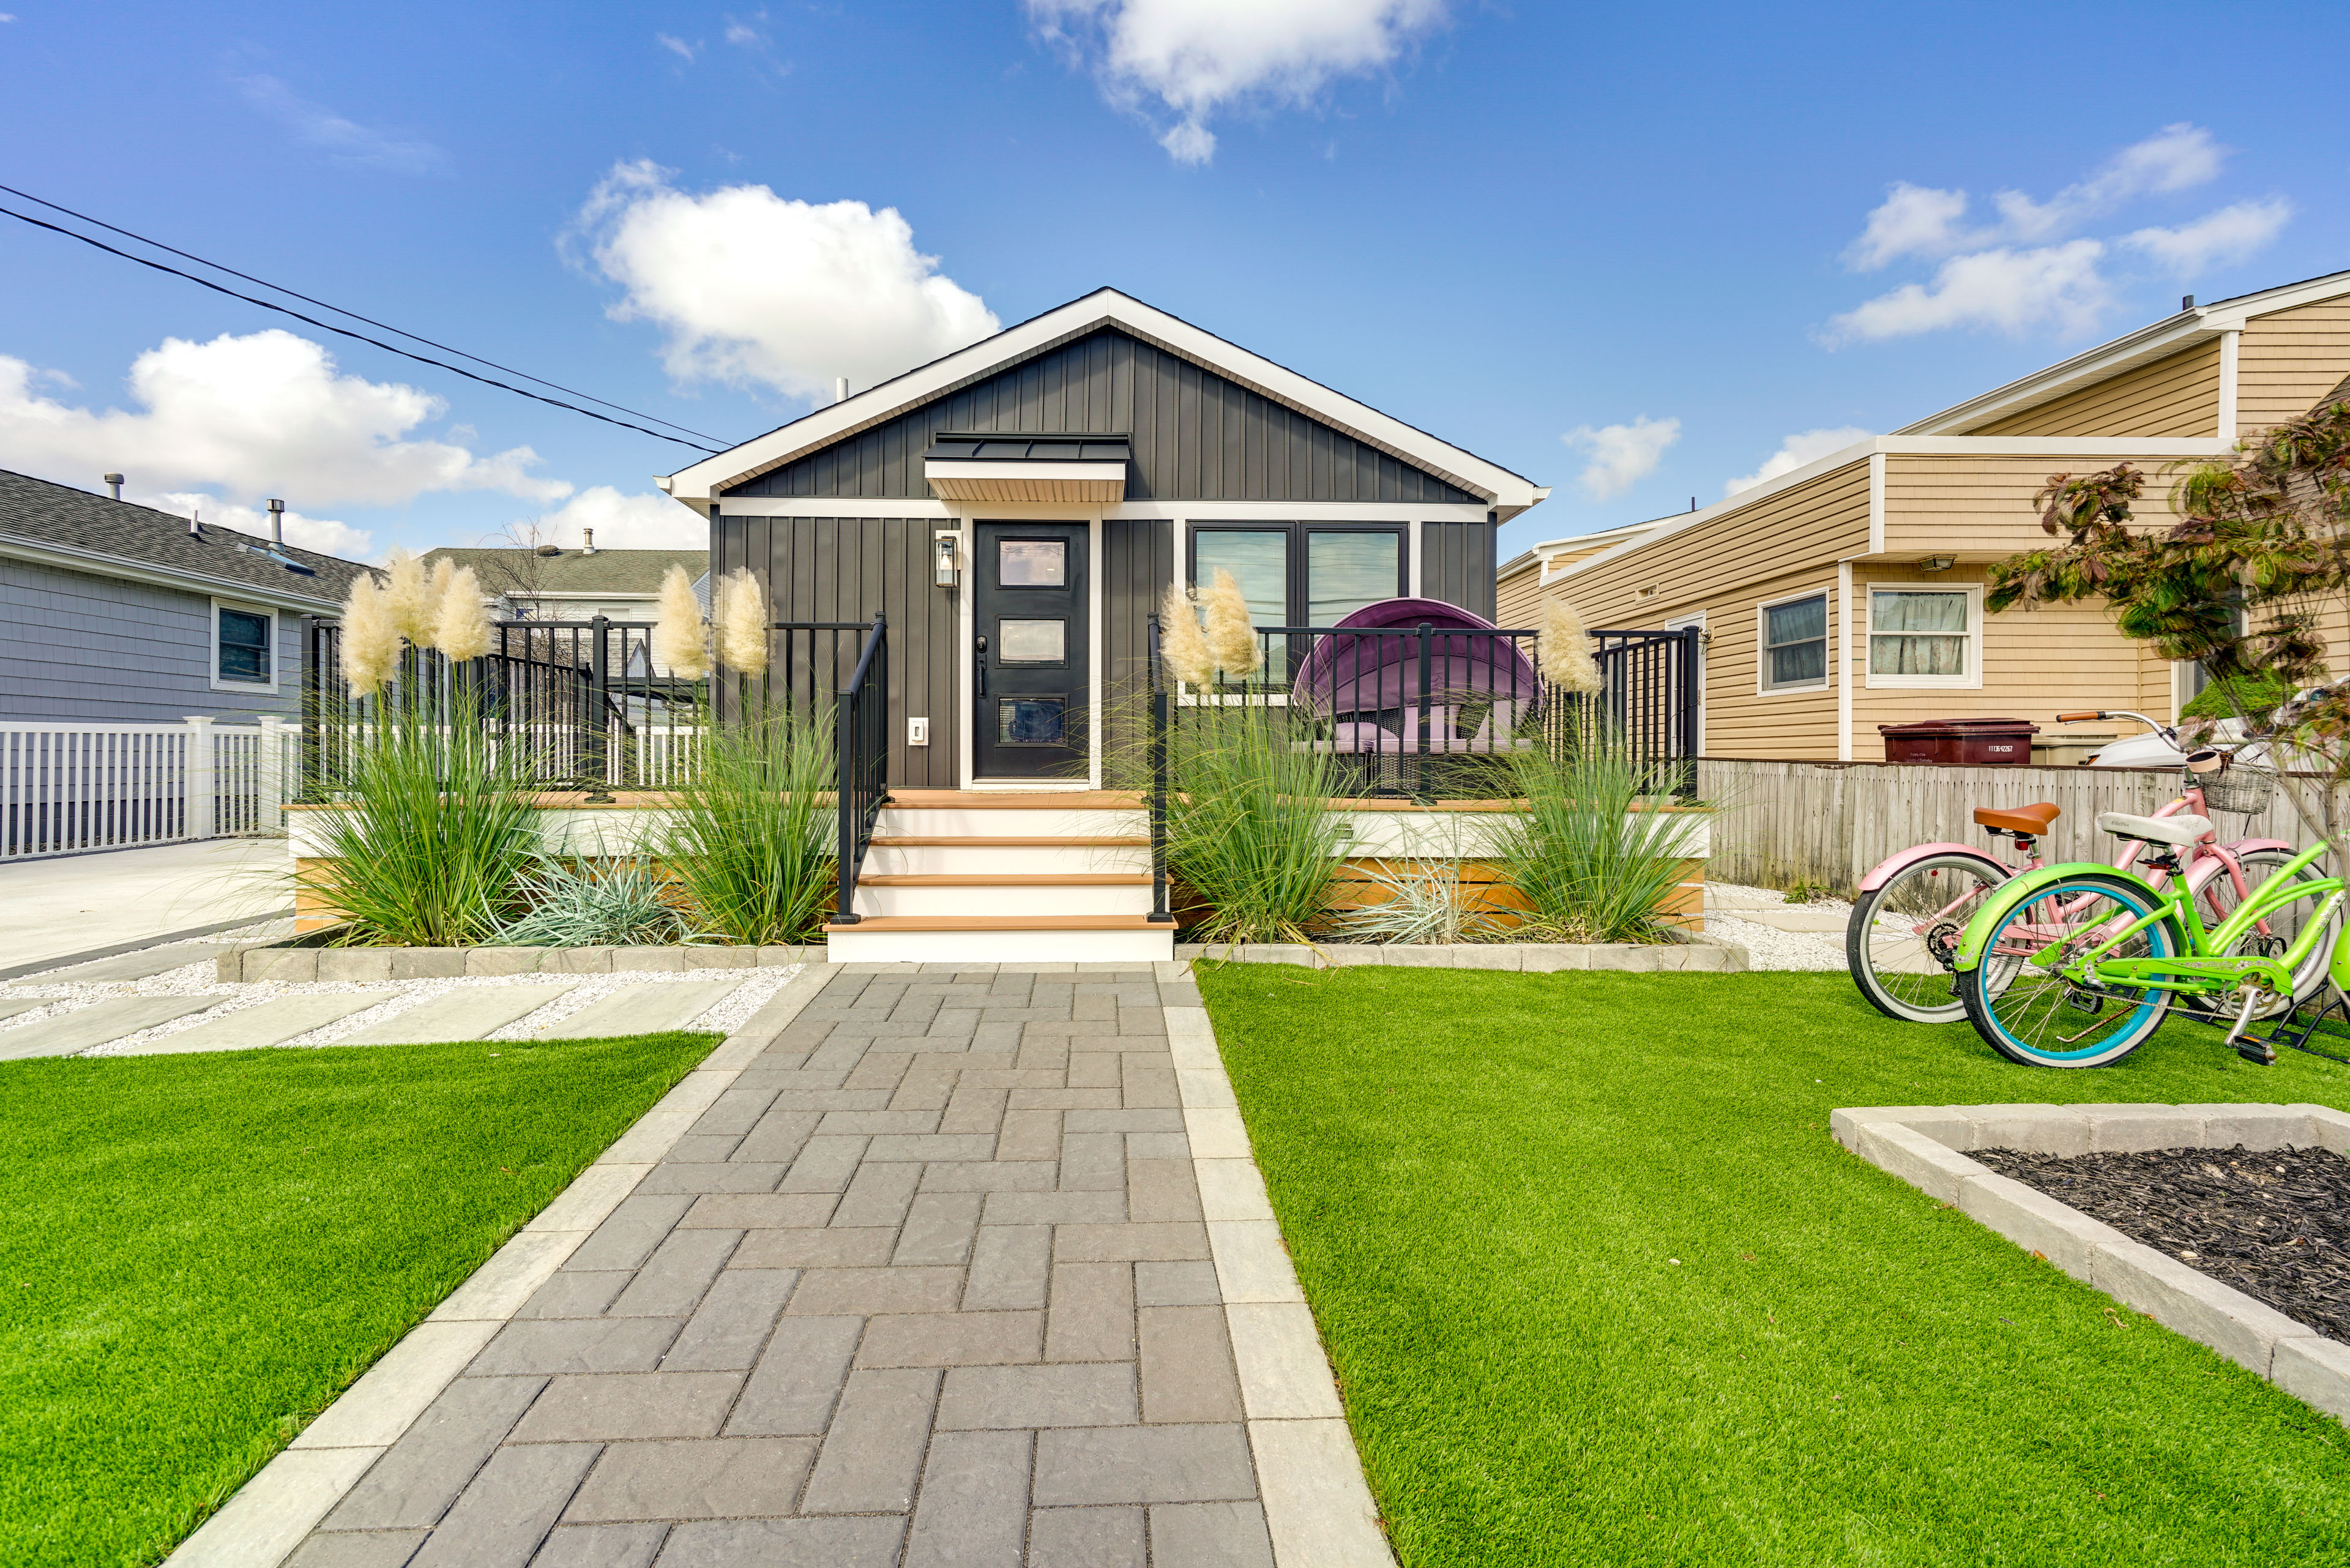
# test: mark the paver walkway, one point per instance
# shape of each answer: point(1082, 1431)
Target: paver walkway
point(932, 1282)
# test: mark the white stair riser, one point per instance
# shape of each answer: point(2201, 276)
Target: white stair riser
point(849, 945)
point(969, 860)
point(1013, 901)
point(961, 822)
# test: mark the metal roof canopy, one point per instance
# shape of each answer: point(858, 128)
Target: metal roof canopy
point(991, 446)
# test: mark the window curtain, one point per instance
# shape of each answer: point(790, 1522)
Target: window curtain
point(1917, 633)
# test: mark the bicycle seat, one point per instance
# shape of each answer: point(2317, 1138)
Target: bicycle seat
point(2028, 819)
point(2178, 831)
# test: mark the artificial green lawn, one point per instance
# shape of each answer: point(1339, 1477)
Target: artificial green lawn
point(1600, 1288)
point(198, 1252)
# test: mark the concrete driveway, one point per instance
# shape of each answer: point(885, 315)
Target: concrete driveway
point(50, 910)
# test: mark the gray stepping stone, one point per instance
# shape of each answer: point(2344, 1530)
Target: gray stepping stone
point(128, 966)
point(270, 1023)
point(9, 1009)
point(648, 1007)
point(99, 1024)
point(467, 1012)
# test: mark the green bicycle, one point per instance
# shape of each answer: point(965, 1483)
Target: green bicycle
point(2085, 989)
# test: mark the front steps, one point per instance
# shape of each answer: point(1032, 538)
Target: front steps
point(956, 876)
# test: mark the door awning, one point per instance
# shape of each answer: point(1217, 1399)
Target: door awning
point(987, 466)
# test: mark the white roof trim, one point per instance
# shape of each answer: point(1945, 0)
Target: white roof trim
point(2166, 337)
point(1507, 493)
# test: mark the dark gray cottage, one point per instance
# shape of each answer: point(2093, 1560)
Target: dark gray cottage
point(1073, 464)
point(112, 613)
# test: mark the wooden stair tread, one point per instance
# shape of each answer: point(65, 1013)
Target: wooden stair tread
point(1004, 923)
point(1024, 880)
point(965, 842)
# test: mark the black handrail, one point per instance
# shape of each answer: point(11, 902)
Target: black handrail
point(1157, 747)
point(863, 721)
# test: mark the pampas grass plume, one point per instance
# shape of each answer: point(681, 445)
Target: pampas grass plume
point(678, 645)
point(461, 629)
point(1232, 637)
point(409, 599)
point(1181, 643)
point(370, 642)
point(742, 616)
point(1566, 648)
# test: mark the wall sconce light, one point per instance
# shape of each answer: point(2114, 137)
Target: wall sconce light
point(1937, 563)
point(946, 574)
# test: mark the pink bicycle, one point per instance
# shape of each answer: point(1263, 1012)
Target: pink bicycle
point(1906, 923)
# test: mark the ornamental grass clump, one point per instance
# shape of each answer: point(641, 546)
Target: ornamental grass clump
point(1590, 854)
point(1249, 826)
point(603, 903)
point(751, 838)
point(431, 828)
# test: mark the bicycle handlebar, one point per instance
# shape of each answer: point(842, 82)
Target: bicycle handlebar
point(2164, 731)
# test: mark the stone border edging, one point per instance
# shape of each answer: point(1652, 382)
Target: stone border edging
point(302, 965)
point(1317, 1506)
point(267, 1518)
point(1709, 957)
point(1925, 1146)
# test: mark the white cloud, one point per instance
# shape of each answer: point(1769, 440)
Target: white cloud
point(324, 535)
point(1621, 455)
point(1803, 447)
point(2010, 290)
point(649, 521)
point(743, 36)
point(1912, 221)
point(2230, 234)
point(345, 140)
point(2172, 159)
point(675, 45)
point(752, 288)
point(1198, 57)
point(249, 417)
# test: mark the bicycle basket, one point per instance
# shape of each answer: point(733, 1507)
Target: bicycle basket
point(2240, 787)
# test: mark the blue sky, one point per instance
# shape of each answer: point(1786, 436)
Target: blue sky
point(1628, 253)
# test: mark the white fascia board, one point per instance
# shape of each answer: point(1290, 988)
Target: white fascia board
point(1507, 493)
point(954, 468)
point(1125, 510)
point(98, 564)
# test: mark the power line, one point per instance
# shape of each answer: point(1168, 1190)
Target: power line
point(361, 337)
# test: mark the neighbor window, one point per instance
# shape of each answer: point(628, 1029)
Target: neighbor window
point(242, 646)
point(1923, 637)
point(1796, 644)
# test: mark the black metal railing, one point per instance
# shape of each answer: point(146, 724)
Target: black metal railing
point(862, 723)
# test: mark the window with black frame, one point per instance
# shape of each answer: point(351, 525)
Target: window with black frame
point(1303, 574)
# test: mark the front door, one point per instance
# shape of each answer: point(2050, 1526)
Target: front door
point(1028, 615)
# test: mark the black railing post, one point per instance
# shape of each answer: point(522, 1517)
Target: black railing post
point(860, 787)
point(1419, 784)
point(1692, 705)
point(594, 733)
point(1156, 751)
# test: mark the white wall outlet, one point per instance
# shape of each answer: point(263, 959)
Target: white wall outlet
point(918, 732)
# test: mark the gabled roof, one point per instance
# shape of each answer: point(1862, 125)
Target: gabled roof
point(99, 535)
point(1508, 492)
point(575, 571)
point(1591, 544)
point(2199, 324)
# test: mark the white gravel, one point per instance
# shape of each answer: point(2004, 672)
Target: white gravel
point(1767, 947)
point(198, 978)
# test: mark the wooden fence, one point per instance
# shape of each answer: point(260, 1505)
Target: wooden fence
point(1827, 824)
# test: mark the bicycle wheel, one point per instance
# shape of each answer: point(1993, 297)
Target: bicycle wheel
point(2217, 897)
point(1901, 935)
point(2031, 1015)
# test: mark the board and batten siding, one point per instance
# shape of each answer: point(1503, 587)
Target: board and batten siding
point(1197, 436)
point(102, 650)
point(1456, 566)
point(2175, 396)
point(847, 568)
point(2289, 359)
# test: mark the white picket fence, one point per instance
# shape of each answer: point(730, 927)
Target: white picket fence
point(72, 789)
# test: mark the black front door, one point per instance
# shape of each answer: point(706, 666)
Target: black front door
point(1028, 614)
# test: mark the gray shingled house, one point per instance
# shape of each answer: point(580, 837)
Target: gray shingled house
point(546, 582)
point(112, 613)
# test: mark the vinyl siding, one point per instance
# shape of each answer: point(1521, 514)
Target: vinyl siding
point(1456, 565)
point(1137, 563)
point(1517, 598)
point(100, 650)
point(1979, 508)
point(2288, 360)
point(2176, 396)
point(1197, 436)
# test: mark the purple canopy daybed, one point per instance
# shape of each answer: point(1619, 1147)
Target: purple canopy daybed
point(1370, 685)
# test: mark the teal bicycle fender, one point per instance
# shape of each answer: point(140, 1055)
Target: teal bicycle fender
point(2019, 889)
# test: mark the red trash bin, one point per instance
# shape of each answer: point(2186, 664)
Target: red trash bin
point(1997, 743)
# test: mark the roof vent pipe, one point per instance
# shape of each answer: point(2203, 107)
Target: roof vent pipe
point(196, 524)
point(586, 541)
point(114, 483)
point(277, 522)
point(840, 389)
point(2185, 302)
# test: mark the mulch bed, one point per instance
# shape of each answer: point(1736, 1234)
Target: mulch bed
point(2274, 1225)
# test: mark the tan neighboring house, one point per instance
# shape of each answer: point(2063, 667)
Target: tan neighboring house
point(1848, 593)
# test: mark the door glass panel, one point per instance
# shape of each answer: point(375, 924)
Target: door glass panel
point(1029, 722)
point(1258, 560)
point(1032, 563)
point(1032, 641)
point(1343, 572)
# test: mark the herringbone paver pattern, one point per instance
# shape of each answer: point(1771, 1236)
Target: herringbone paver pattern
point(929, 1285)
